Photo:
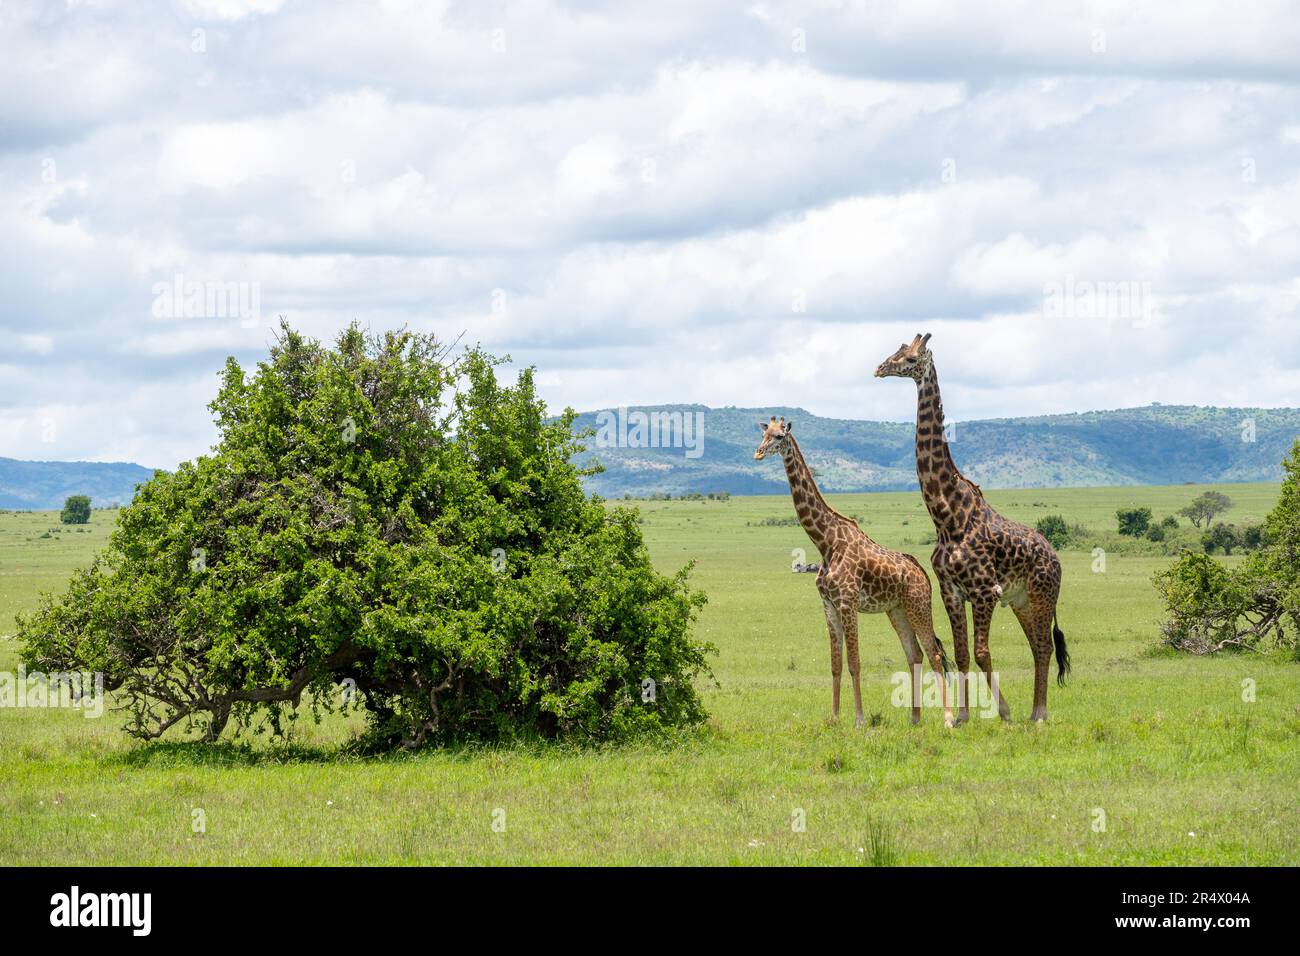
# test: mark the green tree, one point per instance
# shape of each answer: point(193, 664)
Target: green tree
point(1055, 530)
point(385, 518)
point(1205, 507)
point(1253, 537)
point(76, 510)
point(1133, 521)
point(1222, 536)
point(1212, 607)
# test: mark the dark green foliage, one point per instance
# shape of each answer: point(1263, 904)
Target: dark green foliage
point(1253, 537)
point(380, 517)
point(1222, 536)
point(76, 510)
point(1055, 530)
point(1133, 522)
point(1212, 606)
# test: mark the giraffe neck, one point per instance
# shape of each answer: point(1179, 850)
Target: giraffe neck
point(816, 516)
point(943, 487)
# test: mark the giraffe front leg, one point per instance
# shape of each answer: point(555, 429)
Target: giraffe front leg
point(849, 626)
point(955, 605)
point(835, 627)
point(982, 613)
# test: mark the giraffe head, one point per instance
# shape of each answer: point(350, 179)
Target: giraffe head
point(910, 361)
point(776, 438)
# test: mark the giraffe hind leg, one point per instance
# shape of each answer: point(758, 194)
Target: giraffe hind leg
point(912, 651)
point(955, 605)
point(921, 623)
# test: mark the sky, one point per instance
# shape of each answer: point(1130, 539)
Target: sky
point(1088, 205)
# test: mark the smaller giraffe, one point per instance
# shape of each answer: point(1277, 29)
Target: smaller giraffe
point(859, 576)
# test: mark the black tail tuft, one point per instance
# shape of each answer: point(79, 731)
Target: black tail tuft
point(943, 655)
point(1062, 654)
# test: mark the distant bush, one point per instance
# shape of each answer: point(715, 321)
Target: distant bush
point(787, 521)
point(1055, 530)
point(1222, 536)
point(1133, 522)
point(1212, 607)
point(76, 510)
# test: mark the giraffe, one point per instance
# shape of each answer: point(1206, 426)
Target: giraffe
point(980, 556)
point(858, 576)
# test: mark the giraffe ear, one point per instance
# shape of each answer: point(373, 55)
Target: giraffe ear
point(788, 427)
point(762, 426)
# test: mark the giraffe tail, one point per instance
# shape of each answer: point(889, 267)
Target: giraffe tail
point(1062, 653)
point(943, 655)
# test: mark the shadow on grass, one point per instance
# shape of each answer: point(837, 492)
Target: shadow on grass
point(232, 754)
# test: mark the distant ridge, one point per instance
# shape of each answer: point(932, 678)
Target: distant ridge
point(1151, 445)
point(43, 485)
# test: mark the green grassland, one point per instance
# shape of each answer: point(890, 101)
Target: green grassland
point(1183, 768)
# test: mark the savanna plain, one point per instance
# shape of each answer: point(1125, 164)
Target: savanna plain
point(1149, 757)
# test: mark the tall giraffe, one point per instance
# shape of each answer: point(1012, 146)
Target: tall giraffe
point(980, 556)
point(858, 576)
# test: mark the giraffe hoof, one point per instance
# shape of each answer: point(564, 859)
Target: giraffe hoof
point(948, 722)
point(962, 718)
point(859, 722)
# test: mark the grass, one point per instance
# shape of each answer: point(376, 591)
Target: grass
point(1149, 757)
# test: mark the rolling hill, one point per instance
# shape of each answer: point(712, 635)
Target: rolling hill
point(1153, 445)
point(41, 485)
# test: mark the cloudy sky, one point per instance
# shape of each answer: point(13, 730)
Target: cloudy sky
point(1089, 205)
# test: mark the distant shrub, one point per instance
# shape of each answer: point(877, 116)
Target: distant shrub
point(76, 510)
point(1212, 607)
point(1222, 536)
point(1133, 522)
point(1254, 537)
point(1055, 530)
point(782, 522)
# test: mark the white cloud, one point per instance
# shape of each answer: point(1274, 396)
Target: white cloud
point(672, 202)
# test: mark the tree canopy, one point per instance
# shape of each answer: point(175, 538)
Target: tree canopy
point(76, 510)
point(384, 517)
